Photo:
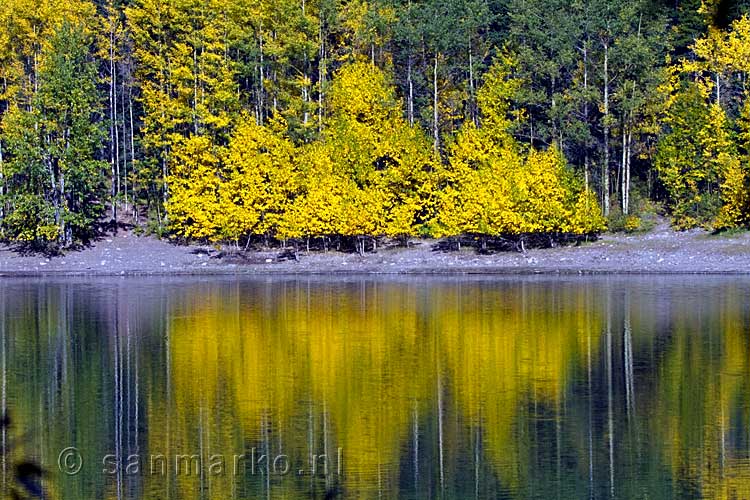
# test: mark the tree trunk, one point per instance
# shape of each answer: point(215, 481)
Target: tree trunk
point(718, 89)
point(586, 110)
point(2, 189)
point(409, 80)
point(531, 132)
point(164, 173)
point(196, 71)
point(435, 126)
point(553, 105)
point(113, 146)
point(261, 79)
point(472, 100)
point(623, 178)
point(122, 180)
point(54, 185)
point(117, 141)
point(627, 138)
point(605, 167)
point(306, 85)
point(321, 77)
point(60, 211)
point(132, 151)
point(410, 97)
point(627, 171)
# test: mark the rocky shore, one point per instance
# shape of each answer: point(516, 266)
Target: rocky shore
point(661, 250)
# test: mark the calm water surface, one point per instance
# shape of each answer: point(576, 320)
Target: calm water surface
point(362, 388)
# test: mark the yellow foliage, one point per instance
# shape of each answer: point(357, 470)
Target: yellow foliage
point(706, 133)
point(388, 164)
point(262, 178)
point(373, 174)
point(632, 223)
point(317, 209)
point(231, 192)
point(723, 51)
point(490, 187)
point(735, 212)
point(194, 205)
point(587, 215)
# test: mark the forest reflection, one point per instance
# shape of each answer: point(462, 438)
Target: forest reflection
point(421, 388)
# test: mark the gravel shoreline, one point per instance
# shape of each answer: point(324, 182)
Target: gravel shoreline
point(661, 251)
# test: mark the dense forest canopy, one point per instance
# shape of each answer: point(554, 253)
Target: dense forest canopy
point(297, 119)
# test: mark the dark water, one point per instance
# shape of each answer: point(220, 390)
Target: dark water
point(358, 388)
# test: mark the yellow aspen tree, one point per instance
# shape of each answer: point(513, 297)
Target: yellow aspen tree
point(490, 187)
point(543, 203)
point(701, 159)
point(388, 162)
point(262, 177)
point(735, 187)
point(195, 207)
point(316, 211)
point(186, 79)
point(472, 186)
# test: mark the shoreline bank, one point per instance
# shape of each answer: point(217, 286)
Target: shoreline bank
point(661, 251)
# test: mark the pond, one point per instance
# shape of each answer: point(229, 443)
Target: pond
point(359, 387)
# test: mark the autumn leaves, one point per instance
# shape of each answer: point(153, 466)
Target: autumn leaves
point(372, 174)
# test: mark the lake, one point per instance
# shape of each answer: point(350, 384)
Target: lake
point(358, 387)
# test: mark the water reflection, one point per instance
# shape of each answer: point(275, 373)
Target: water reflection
point(419, 388)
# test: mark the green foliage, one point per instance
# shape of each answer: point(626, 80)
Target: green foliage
point(684, 163)
point(53, 181)
point(702, 158)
